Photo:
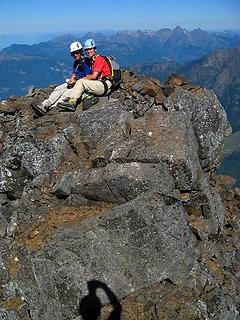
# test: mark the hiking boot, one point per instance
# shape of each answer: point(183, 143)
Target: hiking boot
point(40, 110)
point(69, 105)
point(89, 101)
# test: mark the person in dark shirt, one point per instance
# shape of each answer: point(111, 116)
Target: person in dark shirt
point(81, 68)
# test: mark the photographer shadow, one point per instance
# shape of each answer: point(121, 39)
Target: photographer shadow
point(90, 305)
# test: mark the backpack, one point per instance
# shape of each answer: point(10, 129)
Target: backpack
point(115, 71)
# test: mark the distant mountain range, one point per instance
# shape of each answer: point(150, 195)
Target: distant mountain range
point(7, 39)
point(39, 65)
point(139, 46)
point(179, 45)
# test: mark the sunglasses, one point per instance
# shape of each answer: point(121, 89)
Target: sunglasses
point(75, 52)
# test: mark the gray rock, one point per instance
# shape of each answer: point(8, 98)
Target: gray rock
point(132, 246)
point(91, 185)
point(116, 182)
point(3, 199)
point(159, 137)
point(148, 162)
point(128, 180)
point(6, 179)
point(138, 85)
point(213, 209)
point(209, 121)
point(44, 156)
point(10, 315)
point(208, 206)
point(44, 302)
point(36, 158)
point(97, 123)
point(3, 224)
point(63, 187)
point(222, 306)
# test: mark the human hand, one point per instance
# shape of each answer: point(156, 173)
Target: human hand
point(71, 81)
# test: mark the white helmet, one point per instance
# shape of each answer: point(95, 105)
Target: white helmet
point(75, 46)
point(89, 43)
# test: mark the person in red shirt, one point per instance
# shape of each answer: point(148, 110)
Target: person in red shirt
point(97, 83)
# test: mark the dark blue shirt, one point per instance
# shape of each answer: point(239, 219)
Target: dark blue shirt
point(82, 67)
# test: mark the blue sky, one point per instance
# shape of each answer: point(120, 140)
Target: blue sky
point(18, 16)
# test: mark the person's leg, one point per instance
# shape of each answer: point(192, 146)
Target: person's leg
point(63, 97)
point(47, 104)
point(54, 97)
point(93, 86)
point(80, 87)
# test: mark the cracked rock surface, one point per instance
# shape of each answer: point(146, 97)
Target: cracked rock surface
point(118, 210)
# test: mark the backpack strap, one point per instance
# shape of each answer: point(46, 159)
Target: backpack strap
point(105, 86)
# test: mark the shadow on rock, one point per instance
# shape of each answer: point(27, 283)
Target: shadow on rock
point(90, 305)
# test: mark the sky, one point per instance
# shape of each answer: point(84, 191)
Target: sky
point(28, 16)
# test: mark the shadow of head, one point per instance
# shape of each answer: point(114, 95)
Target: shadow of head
point(90, 305)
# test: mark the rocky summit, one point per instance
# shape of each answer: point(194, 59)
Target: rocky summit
point(116, 212)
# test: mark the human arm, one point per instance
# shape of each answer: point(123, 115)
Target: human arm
point(80, 69)
point(97, 68)
point(92, 76)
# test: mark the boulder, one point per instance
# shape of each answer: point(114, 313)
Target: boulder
point(117, 182)
point(209, 122)
point(134, 245)
point(158, 137)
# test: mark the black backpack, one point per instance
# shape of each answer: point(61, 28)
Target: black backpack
point(115, 71)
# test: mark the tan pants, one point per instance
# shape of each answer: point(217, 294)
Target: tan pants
point(89, 86)
point(59, 94)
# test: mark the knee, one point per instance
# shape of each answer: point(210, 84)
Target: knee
point(79, 83)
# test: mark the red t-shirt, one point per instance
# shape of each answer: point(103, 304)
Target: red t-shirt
point(100, 65)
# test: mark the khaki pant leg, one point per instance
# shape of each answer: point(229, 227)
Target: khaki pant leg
point(92, 86)
point(54, 97)
point(65, 96)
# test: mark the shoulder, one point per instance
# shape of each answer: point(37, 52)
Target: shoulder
point(100, 58)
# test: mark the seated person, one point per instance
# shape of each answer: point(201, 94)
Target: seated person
point(81, 68)
point(97, 83)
